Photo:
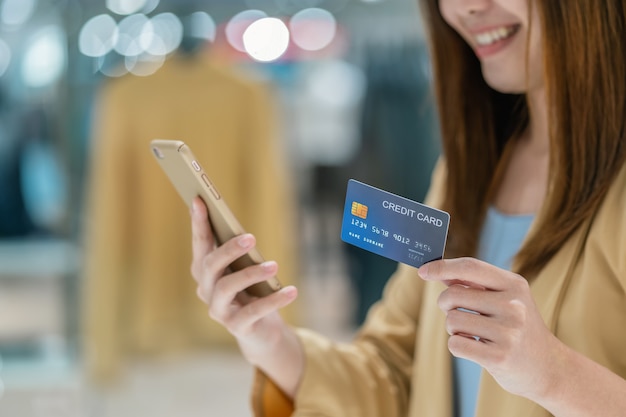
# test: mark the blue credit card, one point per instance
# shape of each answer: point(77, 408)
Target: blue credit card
point(393, 226)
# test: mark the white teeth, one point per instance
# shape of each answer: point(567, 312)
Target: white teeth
point(492, 36)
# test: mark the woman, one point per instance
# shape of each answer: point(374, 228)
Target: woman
point(531, 98)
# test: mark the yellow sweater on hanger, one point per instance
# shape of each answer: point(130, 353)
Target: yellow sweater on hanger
point(139, 297)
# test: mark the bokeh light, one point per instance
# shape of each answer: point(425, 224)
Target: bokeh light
point(144, 65)
point(266, 39)
point(162, 35)
point(313, 29)
point(202, 26)
point(98, 36)
point(125, 7)
point(45, 57)
point(237, 26)
point(17, 12)
point(130, 32)
point(149, 6)
point(112, 65)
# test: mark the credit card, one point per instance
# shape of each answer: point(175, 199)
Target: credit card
point(393, 226)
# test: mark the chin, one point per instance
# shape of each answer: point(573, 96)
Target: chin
point(503, 81)
point(506, 86)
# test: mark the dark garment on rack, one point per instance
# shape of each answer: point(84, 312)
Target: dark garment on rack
point(14, 219)
point(399, 147)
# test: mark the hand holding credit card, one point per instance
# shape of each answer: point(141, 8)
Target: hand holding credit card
point(393, 226)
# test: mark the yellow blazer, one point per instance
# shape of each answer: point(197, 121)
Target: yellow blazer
point(399, 364)
point(139, 296)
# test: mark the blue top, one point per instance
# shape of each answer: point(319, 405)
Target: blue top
point(501, 238)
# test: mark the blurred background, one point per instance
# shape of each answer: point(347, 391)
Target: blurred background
point(282, 102)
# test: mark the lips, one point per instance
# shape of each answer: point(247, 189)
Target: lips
point(488, 42)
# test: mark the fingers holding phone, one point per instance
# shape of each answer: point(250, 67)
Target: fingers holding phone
point(225, 291)
point(210, 261)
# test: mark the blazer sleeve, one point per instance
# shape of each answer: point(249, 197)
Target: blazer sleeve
point(369, 376)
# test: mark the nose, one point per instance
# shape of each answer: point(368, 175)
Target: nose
point(473, 6)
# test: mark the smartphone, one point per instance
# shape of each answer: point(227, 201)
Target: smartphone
point(190, 180)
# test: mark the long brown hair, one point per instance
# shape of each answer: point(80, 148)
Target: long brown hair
point(585, 73)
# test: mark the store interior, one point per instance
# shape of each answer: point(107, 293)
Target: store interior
point(282, 101)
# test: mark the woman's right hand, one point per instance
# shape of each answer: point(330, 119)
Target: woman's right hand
point(264, 338)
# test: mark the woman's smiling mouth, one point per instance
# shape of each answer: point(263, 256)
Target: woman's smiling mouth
point(493, 40)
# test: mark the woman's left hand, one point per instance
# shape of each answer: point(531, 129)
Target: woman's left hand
point(508, 337)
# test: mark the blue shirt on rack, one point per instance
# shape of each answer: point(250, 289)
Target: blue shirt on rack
point(501, 238)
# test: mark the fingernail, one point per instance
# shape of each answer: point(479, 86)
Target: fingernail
point(246, 241)
point(268, 265)
point(290, 292)
point(423, 271)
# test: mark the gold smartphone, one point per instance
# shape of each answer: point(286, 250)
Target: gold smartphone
point(190, 180)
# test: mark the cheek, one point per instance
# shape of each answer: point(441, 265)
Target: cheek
point(449, 14)
point(445, 9)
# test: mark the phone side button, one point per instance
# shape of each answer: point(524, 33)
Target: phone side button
point(215, 194)
point(196, 166)
point(213, 190)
